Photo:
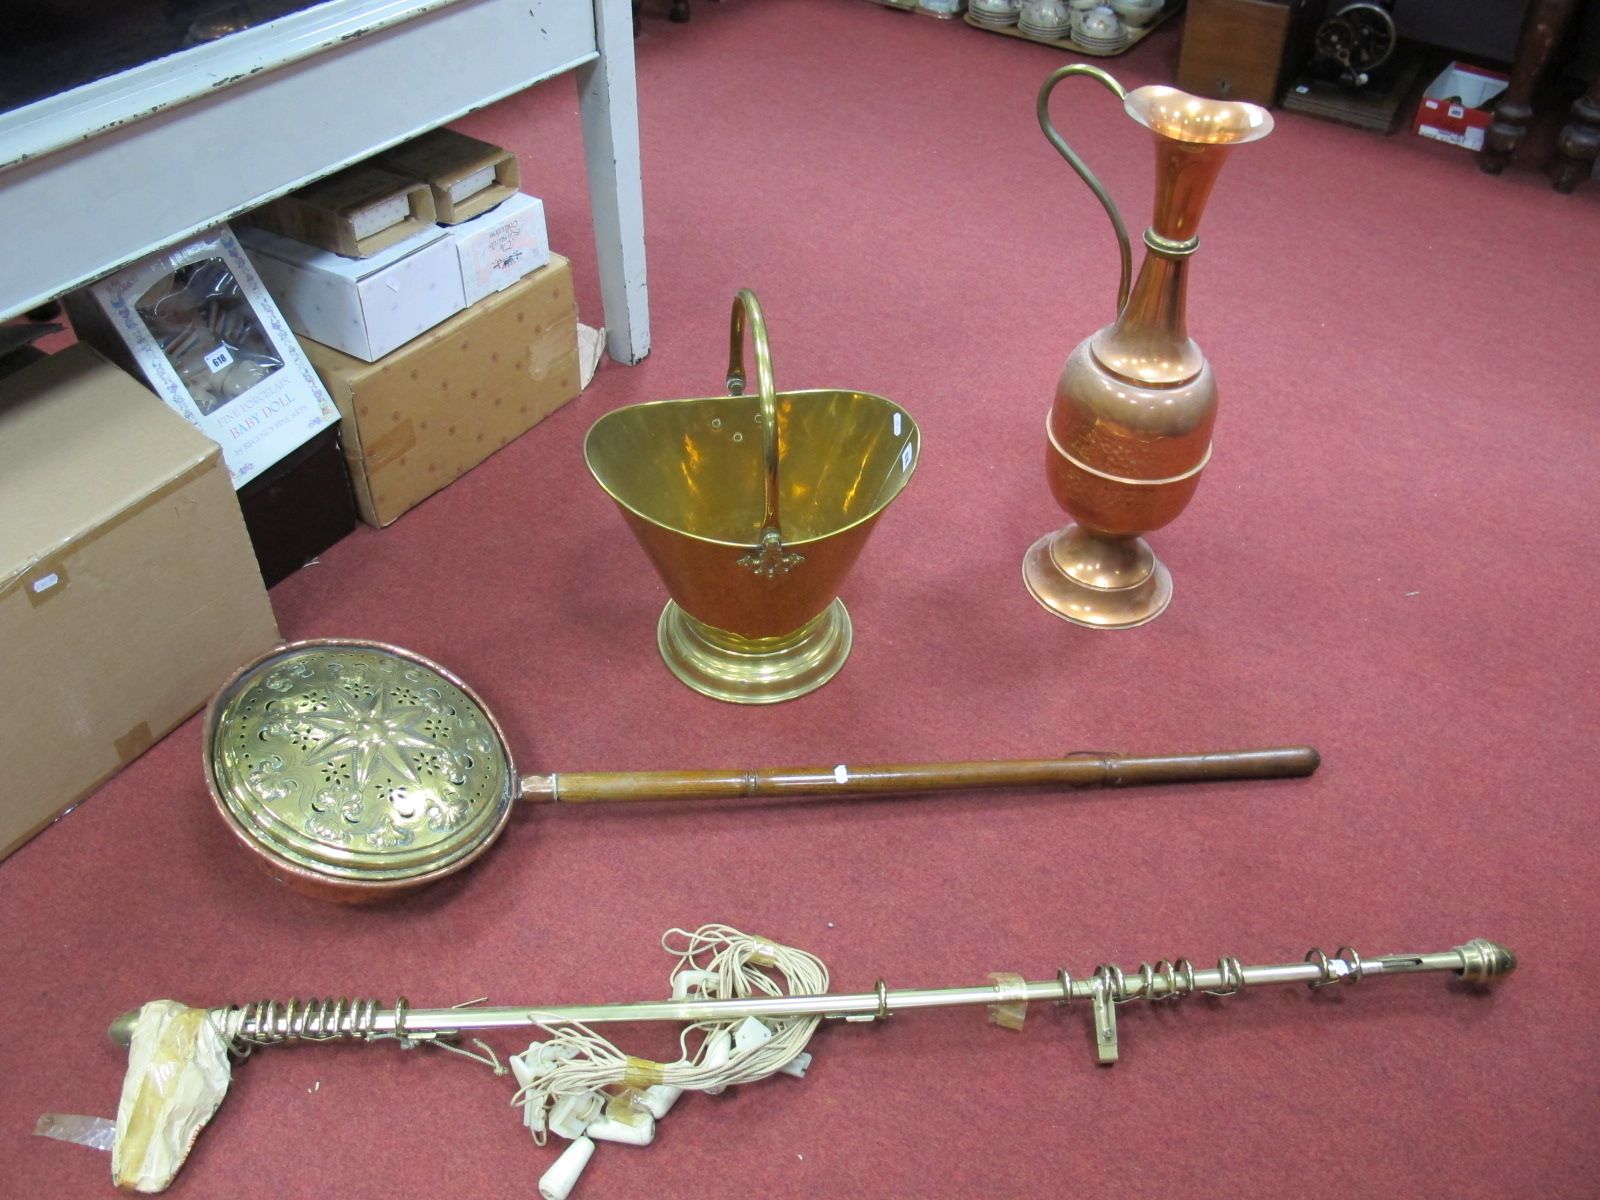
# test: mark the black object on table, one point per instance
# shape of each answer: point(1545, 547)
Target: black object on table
point(299, 506)
point(57, 45)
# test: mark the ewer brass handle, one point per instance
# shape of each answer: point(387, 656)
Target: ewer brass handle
point(768, 558)
point(1077, 164)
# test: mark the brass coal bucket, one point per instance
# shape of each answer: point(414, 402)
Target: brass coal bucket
point(753, 509)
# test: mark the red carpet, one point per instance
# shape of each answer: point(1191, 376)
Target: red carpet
point(1392, 557)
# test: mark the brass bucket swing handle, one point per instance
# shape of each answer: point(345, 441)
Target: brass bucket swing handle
point(1077, 164)
point(768, 557)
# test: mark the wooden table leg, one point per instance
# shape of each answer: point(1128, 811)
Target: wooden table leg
point(1543, 29)
point(1579, 143)
point(607, 98)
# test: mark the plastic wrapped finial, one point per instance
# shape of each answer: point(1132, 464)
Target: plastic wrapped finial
point(178, 1073)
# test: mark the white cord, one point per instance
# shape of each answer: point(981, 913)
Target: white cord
point(575, 1061)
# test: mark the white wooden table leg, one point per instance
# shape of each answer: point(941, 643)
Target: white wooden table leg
point(608, 97)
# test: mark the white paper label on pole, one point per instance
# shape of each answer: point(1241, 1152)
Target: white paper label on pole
point(840, 774)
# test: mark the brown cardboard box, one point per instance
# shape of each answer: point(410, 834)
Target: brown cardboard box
point(425, 414)
point(128, 590)
point(330, 212)
point(444, 159)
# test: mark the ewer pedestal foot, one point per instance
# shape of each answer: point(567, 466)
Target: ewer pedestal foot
point(741, 670)
point(1102, 582)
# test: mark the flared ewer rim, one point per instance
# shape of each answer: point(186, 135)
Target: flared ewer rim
point(886, 498)
point(1181, 117)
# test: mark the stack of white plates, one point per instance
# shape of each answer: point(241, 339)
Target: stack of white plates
point(1048, 32)
point(1100, 31)
point(1111, 45)
point(994, 14)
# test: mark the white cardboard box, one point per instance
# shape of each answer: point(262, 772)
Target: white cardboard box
point(197, 324)
point(501, 246)
point(365, 307)
point(1455, 106)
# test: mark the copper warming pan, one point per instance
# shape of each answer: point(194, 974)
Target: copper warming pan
point(356, 771)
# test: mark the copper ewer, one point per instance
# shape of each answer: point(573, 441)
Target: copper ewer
point(753, 509)
point(1130, 429)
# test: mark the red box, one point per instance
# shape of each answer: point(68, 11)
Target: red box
point(1456, 106)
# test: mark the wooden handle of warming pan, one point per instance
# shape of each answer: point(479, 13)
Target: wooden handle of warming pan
point(1081, 769)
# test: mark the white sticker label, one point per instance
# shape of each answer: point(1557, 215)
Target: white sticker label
point(219, 359)
point(905, 458)
point(45, 583)
point(897, 425)
point(472, 184)
point(840, 774)
point(375, 218)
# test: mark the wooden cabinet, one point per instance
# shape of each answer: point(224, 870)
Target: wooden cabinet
point(1245, 49)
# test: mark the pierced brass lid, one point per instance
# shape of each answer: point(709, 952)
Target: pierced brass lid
point(358, 761)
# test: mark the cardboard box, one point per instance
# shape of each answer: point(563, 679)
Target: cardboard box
point(196, 322)
point(356, 212)
point(363, 306)
point(298, 507)
point(500, 247)
point(440, 405)
point(1456, 106)
point(1245, 49)
point(467, 177)
point(128, 591)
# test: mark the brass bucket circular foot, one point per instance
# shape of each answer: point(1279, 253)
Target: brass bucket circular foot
point(1101, 582)
point(741, 670)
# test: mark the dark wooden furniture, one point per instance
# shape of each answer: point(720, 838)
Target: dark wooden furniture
point(1579, 143)
point(679, 11)
point(1544, 31)
point(1245, 49)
